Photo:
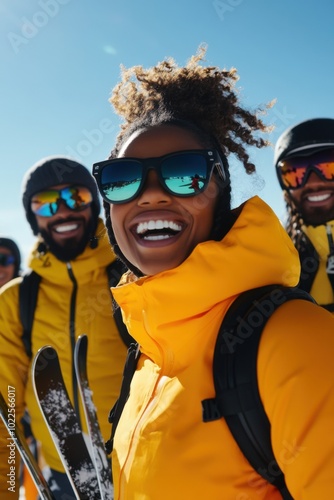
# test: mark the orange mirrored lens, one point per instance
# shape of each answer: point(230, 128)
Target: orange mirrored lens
point(293, 174)
point(292, 177)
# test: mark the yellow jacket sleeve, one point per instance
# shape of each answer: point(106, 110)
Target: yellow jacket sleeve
point(14, 364)
point(295, 376)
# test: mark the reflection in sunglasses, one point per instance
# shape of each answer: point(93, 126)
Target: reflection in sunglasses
point(47, 203)
point(183, 173)
point(293, 175)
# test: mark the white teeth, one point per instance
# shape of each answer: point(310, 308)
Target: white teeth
point(66, 227)
point(157, 237)
point(157, 224)
point(318, 197)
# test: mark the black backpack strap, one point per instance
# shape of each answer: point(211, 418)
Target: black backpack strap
point(115, 271)
point(235, 378)
point(28, 292)
point(309, 263)
point(116, 411)
point(328, 307)
point(123, 331)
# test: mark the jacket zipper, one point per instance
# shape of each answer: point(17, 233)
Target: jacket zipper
point(72, 339)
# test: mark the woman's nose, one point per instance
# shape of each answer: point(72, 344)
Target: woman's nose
point(153, 191)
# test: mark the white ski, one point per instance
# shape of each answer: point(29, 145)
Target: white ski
point(64, 425)
point(102, 464)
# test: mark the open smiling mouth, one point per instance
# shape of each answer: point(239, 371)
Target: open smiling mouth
point(155, 230)
point(65, 228)
point(318, 197)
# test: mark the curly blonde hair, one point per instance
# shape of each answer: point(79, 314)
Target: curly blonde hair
point(203, 96)
point(201, 99)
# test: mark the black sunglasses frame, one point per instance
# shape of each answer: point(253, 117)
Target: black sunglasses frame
point(212, 157)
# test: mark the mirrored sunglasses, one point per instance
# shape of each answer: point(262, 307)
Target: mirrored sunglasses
point(6, 260)
point(294, 172)
point(184, 173)
point(46, 203)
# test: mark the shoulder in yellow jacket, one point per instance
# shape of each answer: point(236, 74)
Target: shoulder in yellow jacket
point(60, 310)
point(317, 239)
point(162, 447)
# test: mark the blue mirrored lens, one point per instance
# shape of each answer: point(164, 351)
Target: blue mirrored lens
point(121, 179)
point(185, 174)
point(47, 210)
point(6, 260)
point(46, 203)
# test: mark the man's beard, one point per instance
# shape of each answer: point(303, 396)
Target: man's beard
point(315, 217)
point(311, 216)
point(71, 247)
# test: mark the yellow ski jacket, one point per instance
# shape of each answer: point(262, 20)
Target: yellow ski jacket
point(321, 288)
point(162, 448)
point(58, 306)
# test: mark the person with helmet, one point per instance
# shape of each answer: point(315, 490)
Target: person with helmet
point(304, 161)
point(10, 260)
point(72, 257)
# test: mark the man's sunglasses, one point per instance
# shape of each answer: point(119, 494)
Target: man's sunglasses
point(46, 203)
point(6, 260)
point(184, 173)
point(294, 172)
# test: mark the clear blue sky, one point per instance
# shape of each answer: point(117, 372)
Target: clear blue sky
point(61, 58)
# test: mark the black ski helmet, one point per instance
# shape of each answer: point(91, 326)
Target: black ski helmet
point(305, 138)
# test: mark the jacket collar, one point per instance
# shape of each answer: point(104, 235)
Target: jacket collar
point(256, 251)
point(319, 238)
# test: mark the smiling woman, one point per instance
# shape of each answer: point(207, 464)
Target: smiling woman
point(160, 217)
point(167, 200)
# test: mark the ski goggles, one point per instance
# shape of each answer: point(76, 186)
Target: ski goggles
point(184, 173)
point(46, 203)
point(6, 260)
point(294, 172)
